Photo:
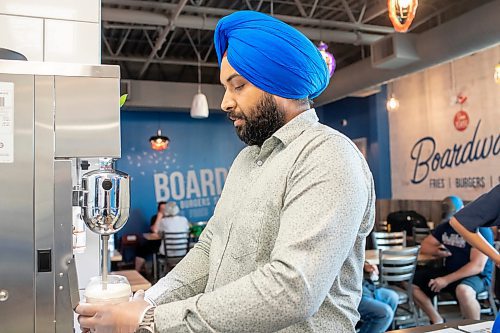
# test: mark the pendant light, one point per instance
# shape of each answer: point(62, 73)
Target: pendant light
point(392, 102)
point(199, 107)
point(159, 142)
point(402, 13)
point(328, 57)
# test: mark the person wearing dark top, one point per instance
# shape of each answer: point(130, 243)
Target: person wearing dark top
point(482, 212)
point(466, 272)
point(147, 248)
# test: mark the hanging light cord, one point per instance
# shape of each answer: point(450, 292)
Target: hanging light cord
point(199, 74)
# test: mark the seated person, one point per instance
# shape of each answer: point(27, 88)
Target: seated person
point(466, 271)
point(377, 306)
point(482, 212)
point(172, 222)
point(147, 248)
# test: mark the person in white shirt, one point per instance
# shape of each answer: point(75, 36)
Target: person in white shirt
point(172, 223)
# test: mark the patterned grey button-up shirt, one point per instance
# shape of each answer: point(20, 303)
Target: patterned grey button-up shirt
point(284, 249)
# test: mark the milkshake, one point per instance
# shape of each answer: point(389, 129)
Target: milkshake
point(116, 290)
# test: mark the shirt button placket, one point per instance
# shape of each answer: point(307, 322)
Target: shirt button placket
point(259, 163)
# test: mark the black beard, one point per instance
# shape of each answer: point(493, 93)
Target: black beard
point(265, 119)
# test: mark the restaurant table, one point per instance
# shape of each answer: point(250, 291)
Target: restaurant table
point(136, 280)
point(430, 328)
point(151, 236)
point(372, 257)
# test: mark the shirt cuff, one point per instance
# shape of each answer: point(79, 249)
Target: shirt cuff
point(150, 301)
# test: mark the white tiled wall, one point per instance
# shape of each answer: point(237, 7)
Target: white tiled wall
point(71, 41)
point(52, 30)
point(22, 34)
point(74, 10)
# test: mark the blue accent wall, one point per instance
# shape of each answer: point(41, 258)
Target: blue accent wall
point(366, 118)
point(191, 171)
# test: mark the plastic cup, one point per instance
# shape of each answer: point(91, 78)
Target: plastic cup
point(116, 290)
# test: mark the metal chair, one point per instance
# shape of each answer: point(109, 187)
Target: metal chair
point(388, 240)
point(483, 296)
point(419, 234)
point(382, 226)
point(175, 246)
point(397, 269)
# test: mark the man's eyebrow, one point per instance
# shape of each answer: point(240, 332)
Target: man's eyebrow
point(232, 77)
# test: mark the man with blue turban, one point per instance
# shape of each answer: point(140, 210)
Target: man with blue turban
point(284, 250)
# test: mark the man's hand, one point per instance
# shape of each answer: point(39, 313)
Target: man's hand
point(369, 268)
point(442, 252)
point(496, 260)
point(438, 283)
point(107, 318)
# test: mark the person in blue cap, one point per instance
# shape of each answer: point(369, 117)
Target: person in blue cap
point(466, 272)
point(284, 249)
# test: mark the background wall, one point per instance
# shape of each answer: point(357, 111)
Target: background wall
point(366, 118)
point(192, 169)
point(190, 172)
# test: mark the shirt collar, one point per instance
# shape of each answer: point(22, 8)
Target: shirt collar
point(291, 130)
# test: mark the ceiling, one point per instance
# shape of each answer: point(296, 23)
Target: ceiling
point(163, 40)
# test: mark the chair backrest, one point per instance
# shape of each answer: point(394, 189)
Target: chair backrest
point(398, 265)
point(175, 244)
point(387, 240)
point(419, 234)
point(382, 226)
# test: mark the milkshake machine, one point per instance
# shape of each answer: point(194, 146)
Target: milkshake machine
point(53, 119)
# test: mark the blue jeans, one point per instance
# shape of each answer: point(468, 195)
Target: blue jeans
point(377, 311)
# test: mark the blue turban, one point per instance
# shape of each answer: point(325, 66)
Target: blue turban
point(272, 55)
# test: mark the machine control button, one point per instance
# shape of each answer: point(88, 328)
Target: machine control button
point(4, 295)
point(44, 259)
point(107, 184)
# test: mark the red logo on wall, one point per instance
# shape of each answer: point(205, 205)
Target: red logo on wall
point(461, 120)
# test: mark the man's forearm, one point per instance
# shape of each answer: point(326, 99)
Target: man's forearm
point(476, 240)
point(469, 269)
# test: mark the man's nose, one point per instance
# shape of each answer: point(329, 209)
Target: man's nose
point(228, 103)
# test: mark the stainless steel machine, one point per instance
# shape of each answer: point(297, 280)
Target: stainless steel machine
point(53, 117)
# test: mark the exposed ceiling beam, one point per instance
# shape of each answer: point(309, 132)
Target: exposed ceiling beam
point(435, 46)
point(348, 11)
point(159, 61)
point(374, 11)
point(300, 8)
point(313, 9)
point(207, 23)
point(163, 35)
point(223, 12)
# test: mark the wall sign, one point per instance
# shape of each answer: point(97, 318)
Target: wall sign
point(437, 151)
point(191, 172)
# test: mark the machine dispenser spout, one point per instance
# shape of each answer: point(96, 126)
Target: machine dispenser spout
point(105, 204)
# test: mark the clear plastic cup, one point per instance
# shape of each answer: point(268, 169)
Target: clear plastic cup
point(116, 290)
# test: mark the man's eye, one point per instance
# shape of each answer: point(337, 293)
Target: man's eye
point(239, 87)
